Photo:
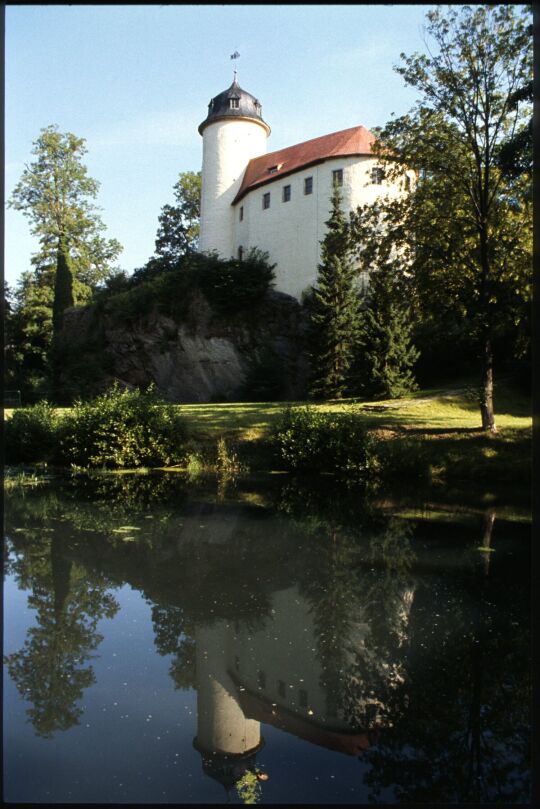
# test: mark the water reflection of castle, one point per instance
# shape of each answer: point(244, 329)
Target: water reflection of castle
point(274, 675)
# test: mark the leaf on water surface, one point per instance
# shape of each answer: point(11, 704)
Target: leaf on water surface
point(124, 528)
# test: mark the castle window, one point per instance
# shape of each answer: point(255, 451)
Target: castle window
point(407, 183)
point(286, 193)
point(273, 169)
point(261, 679)
point(377, 175)
point(234, 103)
point(337, 177)
point(308, 185)
point(241, 213)
point(240, 253)
point(266, 200)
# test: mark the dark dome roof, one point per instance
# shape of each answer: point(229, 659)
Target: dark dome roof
point(234, 103)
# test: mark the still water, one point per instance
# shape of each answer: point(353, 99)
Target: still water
point(265, 642)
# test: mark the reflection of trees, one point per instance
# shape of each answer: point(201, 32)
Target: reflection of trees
point(464, 737)
point(174, 635)
point(450, 668)
point(359, 601)
point(49, 671)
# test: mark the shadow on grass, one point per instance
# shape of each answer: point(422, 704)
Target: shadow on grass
point(466, 432)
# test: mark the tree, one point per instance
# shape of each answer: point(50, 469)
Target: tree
point(333, 308)
point(56, 194)
point(472, 103)
point(29, 336)
point(178, 231)
point(386, 355)
point(63, 285)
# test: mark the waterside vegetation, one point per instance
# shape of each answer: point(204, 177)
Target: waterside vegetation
point(432, 434)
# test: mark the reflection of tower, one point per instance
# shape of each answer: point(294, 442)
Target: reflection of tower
point(233, 132)
point(227, 740)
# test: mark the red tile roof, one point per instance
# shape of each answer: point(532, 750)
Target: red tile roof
point(354, 141)
point(256, 706)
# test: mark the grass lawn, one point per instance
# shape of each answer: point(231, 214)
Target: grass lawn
point(430, 412)
point(446, 421)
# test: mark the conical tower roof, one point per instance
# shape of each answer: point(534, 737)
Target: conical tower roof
point(234, 103)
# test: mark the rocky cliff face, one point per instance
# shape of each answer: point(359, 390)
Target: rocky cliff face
point(201, 359)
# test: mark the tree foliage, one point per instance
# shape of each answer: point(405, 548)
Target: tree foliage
point(386, 356)
point(333, 308)
point(469, 223)
point(178, 231)
point(57, 196)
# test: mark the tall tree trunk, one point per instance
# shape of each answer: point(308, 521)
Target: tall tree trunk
point(486, 392)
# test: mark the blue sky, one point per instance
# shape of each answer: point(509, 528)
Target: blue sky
point(135, 82)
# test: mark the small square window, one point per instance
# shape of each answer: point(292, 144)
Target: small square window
point(241, 213)
point(234, 103)
point(337, 177)
point(308, 185)
point(266, 200)
point(286, 193)
point(377, 175)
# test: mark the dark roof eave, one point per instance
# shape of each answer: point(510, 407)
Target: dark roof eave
point(278, 175)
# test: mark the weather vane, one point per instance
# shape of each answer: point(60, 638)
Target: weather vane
point(235, 56)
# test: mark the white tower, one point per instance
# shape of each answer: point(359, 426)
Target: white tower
point(233, 132)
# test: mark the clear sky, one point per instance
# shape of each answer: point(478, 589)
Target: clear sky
point(135, 82)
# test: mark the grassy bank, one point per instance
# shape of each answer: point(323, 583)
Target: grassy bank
point(445, 423)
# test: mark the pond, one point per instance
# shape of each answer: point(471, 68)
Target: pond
point(265, 642)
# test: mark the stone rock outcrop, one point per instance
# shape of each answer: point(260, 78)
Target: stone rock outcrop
point(201, 359)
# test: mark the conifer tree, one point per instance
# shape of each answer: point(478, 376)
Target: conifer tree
point(63, 285)
point(386, 337)
point(386, 356)
point(333, 309)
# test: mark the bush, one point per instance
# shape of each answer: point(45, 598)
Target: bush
point(31, 434)
point(313, 441)
point(123, 428)
point(404, 458)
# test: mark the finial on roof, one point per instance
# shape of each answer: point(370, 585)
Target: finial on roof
point(235, 56)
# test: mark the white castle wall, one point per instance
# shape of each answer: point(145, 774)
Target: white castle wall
point(228, 146)
point(291, 232)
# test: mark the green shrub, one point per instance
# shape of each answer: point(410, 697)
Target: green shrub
point(123, 429)
point(313, 441)
point(404, 458)
point(31, 434)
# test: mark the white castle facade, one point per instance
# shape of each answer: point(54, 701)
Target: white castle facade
point(279, 201)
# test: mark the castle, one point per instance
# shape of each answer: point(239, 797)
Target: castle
point(279, 201)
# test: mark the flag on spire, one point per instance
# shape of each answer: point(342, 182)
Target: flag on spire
point(235, 55)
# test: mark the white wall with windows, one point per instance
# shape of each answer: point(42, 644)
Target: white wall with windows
point(289, 224)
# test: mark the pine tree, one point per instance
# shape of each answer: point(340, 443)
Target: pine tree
point(63, 285)
point(333, 309)
point(386, 336)
point(383, 364)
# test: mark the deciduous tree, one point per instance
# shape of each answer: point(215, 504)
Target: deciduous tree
point(178, 231)
point(476, 240)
